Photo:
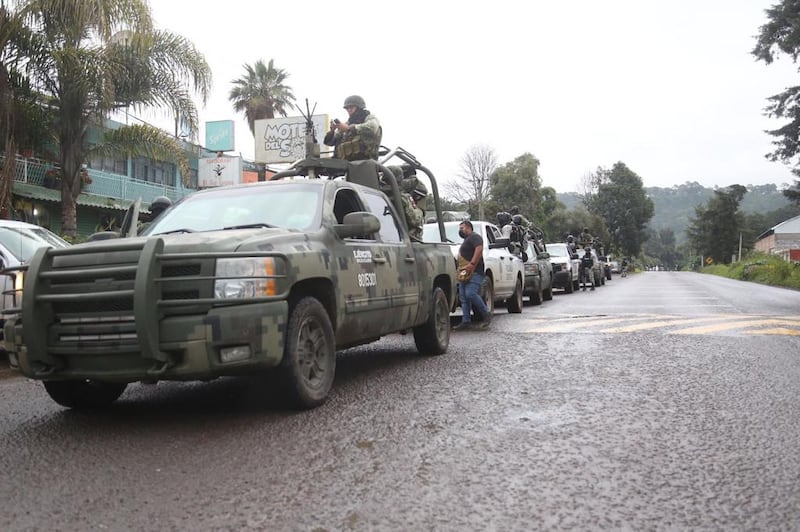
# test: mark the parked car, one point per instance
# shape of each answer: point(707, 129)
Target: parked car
point(565, 267)
point(18, 242)
point(538, 274)
point(505, 273)
point(614, 266)
point(597, 268)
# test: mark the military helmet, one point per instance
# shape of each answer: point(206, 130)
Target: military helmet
point(356, 100)
point(517, 219)
point(160, 204)
point(503, 218)
point(570, 238)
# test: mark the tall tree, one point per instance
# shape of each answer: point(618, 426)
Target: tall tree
point(715, 229)
point(518, 184)
point(88, 73)
point(661, 246)
point(781, 35)
point(621, 201)
point(23, 120)
point(261, 92)
point(474, 185)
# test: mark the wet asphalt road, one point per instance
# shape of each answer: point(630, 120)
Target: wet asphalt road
point(593, 411)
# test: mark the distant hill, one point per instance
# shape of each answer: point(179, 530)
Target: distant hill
point(675, 205)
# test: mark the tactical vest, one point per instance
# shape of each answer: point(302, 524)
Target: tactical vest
point(356, 148)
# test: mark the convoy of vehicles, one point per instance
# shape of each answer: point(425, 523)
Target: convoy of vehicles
point(240, 280)
point(244, 279)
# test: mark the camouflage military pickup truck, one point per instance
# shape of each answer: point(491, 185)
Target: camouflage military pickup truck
point(236, 280)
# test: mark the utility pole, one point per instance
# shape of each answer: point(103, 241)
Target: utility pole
point(740, 247)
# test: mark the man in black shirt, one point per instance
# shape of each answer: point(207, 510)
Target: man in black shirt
point(471, 262)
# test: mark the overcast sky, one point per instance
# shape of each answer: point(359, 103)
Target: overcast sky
point(668, 87)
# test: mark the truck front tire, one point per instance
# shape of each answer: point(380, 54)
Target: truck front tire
point(309, 354)
point(433, 336)
point(84, 393)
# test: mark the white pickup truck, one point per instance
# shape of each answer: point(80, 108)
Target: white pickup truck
point(505, 272)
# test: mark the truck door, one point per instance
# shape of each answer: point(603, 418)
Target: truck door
point(363, 273)
point(505, 281)
point(397, 277)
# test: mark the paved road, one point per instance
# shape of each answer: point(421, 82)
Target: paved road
point(659, 401)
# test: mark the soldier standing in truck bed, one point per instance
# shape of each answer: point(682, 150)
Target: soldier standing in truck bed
point(359, 137)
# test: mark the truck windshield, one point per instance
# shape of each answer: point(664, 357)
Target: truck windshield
point(557, 250)
point(295, 206)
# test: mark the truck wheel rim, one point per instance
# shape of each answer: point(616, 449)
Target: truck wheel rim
point(312, 353)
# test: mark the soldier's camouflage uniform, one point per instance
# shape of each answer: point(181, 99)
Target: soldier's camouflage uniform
point(359, 142)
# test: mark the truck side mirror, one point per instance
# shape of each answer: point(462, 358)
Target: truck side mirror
point(358, 224)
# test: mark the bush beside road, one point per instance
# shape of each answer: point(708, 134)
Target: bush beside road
point(760, 268)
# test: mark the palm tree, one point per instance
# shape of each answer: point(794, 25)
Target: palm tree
point(20, 117)
point(261, 93)
point(88, 73)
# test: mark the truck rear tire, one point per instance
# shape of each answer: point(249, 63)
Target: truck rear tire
point(548, 292)
point(569, 287)
point(309, 354)
point(515, 301)
point(84, 394)
point(487, 293)
point(433, 336)
point(536, 295)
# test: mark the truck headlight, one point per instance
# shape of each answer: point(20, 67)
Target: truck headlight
point(245, 277)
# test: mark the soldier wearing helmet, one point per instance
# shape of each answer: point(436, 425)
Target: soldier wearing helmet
point(359, 137)
point(585, 238)
point(572, 245)
point(159, 205)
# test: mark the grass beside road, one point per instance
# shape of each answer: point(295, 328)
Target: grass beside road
point(760, 268)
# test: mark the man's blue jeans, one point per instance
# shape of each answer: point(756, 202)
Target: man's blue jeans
point(469, 294)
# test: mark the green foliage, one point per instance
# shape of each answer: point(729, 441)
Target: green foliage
point(621, 202)
point(142, 139)
point(517, 184)
point(261, 92)
point(563, 222)
point(715, 229)
point(675, 205)
point(781, 35)
point(75, 60)
point(661, 249)
point(761, 268)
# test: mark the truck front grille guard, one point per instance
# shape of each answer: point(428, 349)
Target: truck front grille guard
point(61, 320)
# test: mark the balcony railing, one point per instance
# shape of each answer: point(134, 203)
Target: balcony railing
point(34, 171)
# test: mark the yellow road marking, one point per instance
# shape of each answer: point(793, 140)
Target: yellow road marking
point(789, 325)
point(735, 325)
point(777, 330)
point(658, 324)
point(576, 323)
